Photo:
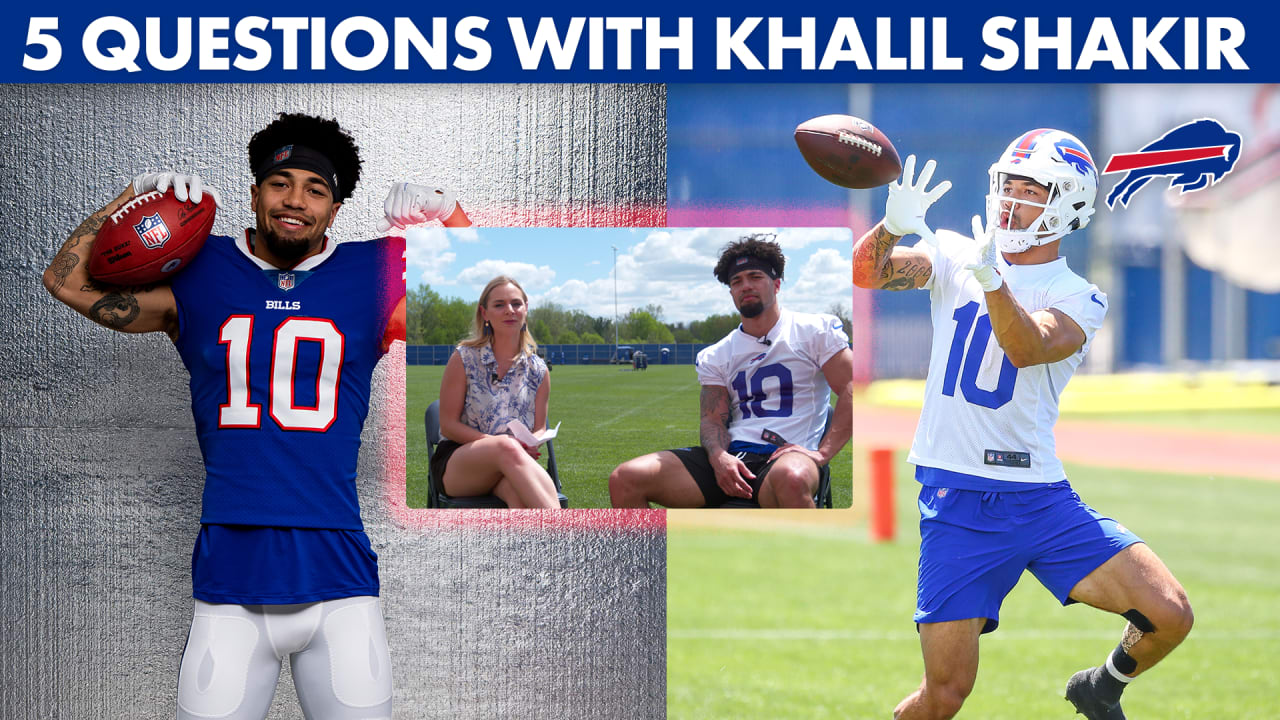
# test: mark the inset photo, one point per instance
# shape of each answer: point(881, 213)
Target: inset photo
point(629, 367)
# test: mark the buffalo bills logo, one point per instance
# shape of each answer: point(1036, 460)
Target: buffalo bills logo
point(286, 281)
point(152, 231)
point(1195, 155)
point(1075, 155)
point(757, 358)
point(284, 153)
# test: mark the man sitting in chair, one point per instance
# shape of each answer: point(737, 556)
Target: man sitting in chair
point(765, 391)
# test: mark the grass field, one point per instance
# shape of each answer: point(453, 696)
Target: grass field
point(1248, 421)
point(790, 619)
point(607, 415)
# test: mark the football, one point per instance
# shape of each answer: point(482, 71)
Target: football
point(150, 238)
point(848, 151)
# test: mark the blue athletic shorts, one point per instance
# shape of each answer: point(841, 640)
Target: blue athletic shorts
point(974, 546)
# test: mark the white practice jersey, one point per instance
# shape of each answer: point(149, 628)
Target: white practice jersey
point(776, 383)
point(982, 416)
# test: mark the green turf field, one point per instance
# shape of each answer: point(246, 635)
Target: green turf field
point(1263, 420)
point(607, 415)
point(814, 622)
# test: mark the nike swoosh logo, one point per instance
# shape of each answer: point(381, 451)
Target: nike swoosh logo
point(1094, 298)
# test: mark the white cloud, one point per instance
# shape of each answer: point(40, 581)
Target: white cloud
point(530, 277)
point(428, 249)
point(825, 278)
point(669, 267)
point(465, 234)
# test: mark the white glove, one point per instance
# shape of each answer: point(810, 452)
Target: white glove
point(983, 266)
point(184, 186)
point(904, 212)
point(408, 204)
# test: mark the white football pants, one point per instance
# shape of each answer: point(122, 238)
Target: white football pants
point(337, 651)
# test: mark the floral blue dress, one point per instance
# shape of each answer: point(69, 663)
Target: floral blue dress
point(492, 402)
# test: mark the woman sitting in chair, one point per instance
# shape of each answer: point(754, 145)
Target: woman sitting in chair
point(495, 377)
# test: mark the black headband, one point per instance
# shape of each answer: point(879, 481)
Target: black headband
point(300, 157)
point(750, 262)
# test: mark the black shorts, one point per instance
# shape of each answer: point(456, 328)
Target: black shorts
point(440, 459)
point(699, 466)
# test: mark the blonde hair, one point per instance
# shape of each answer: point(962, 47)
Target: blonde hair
point(481, 336)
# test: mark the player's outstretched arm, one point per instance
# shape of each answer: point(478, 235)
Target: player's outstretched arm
point(878, 263)
point(410, 204)
point(713, 435)
point(1027, 339)
point(839, 374)
point(149, 308)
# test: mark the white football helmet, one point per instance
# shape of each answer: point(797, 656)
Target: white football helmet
point(1062, 164)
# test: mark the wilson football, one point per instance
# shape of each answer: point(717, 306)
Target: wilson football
point(150, 238)
point(848, 151)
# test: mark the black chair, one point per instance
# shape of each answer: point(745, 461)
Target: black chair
point(436, 496)
point(821, 498)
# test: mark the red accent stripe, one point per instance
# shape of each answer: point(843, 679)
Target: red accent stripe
point(1125, 162)
point(1028, 141)
point(1081, 155)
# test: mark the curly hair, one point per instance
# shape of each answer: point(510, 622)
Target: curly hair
point(319, 134)
point(760, 246)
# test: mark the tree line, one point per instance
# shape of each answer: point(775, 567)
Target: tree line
point(436, 320)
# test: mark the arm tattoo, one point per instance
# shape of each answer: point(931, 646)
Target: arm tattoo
point(1130, 638)
point(90, 226)
point(68, 259)
point(869, 254)
point(713, 429)
point(905, 276)
point(62, 265)
point(115, 310)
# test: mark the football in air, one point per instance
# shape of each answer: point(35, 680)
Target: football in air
point(150, 238)
point(848, 151)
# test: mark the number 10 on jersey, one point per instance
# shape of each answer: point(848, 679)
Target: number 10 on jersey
point(967, 317)
point(752, 403)
point(241, 412)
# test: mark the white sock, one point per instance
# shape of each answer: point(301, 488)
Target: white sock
point(1111, 668)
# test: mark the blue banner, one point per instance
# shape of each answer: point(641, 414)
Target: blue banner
point(642, 42)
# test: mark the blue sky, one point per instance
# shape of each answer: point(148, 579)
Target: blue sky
point(670, 267)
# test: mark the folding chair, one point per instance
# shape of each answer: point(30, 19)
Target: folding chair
point(436, 496)
point(821, 498)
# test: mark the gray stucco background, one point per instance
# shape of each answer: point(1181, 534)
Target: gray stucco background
point(100, 472)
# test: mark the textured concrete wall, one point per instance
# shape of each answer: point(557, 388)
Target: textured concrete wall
point(100, 472)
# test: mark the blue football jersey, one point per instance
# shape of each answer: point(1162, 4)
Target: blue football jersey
point(281, 363)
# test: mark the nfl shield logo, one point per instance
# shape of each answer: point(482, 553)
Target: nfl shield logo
point(152, 231)
point(283, 153)
point(286, 281)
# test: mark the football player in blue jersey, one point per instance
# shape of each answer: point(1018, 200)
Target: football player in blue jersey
point(995, 499)
point(280, 329)
point(765, 391)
